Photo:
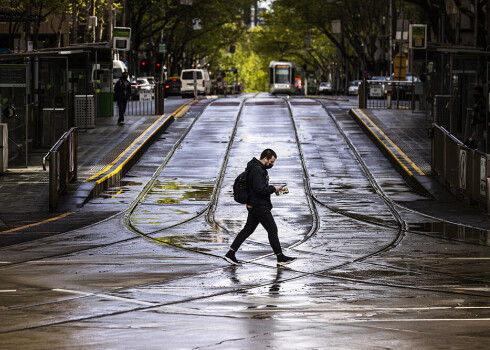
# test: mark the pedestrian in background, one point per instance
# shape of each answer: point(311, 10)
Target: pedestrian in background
point(259, 208)
point(477, 139)
point(122, 90)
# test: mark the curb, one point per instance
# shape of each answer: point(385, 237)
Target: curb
point(111, 176)
point(411, 178)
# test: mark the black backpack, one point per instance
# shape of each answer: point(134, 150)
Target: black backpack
point(240, 188)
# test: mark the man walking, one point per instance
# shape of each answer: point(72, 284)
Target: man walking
point(259, 208)
point(122, 90)
point(478, 119)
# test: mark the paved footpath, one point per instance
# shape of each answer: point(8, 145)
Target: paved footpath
point(402, 136)
point(25, 191)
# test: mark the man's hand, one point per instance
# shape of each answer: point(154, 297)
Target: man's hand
point(278, 188)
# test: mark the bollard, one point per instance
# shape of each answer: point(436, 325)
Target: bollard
point(53, 180)
point(157, 99)
point(362, 94)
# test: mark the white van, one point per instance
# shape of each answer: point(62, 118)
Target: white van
point(118, 68)
point(202, 79)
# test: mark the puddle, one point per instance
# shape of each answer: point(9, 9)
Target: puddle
point(116, 191)
point(171, 192)
point(453, 232)
point(130, 183)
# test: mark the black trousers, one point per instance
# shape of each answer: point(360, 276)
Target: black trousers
point(121, 106)
point(255, 217)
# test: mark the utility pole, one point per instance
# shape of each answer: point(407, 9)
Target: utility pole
point(110, 21)
point(392, 16)
point(93, 26)
point(124, 57)
point(476, 23)
point(74, 28)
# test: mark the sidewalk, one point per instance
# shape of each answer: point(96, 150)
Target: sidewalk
point(25, 191)
point(403, 137)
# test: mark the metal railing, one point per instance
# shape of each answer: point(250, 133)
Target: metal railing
point(460, 168)
point(63, 165)
point(141, 102)
point(388, 94)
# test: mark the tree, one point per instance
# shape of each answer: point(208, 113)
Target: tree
point(27, 16)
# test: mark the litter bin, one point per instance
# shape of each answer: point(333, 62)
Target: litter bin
point(105, 97)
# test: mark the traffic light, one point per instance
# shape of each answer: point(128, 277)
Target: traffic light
point(143, 66)
point(159, 62)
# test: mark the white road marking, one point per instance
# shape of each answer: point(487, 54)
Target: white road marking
point(100, 260)
point(105, 296)
point(440, 258)
point(430, 319)
point(8, 290)
point(367, 309)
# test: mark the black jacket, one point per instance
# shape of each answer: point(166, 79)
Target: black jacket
point(258, 184)
point(122, 90)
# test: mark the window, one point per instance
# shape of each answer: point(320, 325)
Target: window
point(282, 75)
point(189, 75)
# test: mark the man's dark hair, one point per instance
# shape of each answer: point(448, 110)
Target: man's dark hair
point(479, 89)
point(268, 153)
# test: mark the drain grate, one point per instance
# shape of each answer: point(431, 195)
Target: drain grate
point(304, 103)
point(265, 103)
point(225, 103)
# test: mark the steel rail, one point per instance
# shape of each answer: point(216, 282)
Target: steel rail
point(322, 273)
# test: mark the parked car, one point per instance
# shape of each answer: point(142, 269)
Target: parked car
point(404, 86)
point(150, 80)
point(172, 86)
point(409, 78)
point(325, 88)
point(187, 79)
point(354, 87)
point(134, 88)
point(378, 86)
point(298, 85)
point(144, 84)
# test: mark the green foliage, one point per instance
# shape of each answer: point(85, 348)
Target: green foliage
point(252, 67)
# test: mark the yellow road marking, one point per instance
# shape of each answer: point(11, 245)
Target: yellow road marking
point(181, 111)
point(111, 174)
point(175, 113)
point(414, 166)
point(389, 150)
point(38, 223)
point(124, 152)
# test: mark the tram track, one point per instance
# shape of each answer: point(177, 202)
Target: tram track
point(210, 207)
point(209, 210)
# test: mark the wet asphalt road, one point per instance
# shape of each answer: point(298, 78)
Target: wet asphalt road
point(370, 274)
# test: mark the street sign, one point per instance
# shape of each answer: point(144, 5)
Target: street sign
point(401, 30)
point(375, 91)
point(196, 23)
point(336, 27)
point(161, 48)
point(122, 38)
point(418, 36)
point(400, 66)
point(462, 169)
point(145, 96)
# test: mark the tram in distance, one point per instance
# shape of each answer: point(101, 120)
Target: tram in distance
point(281, 77)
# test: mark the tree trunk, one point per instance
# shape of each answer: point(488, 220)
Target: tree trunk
point(74, 26)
